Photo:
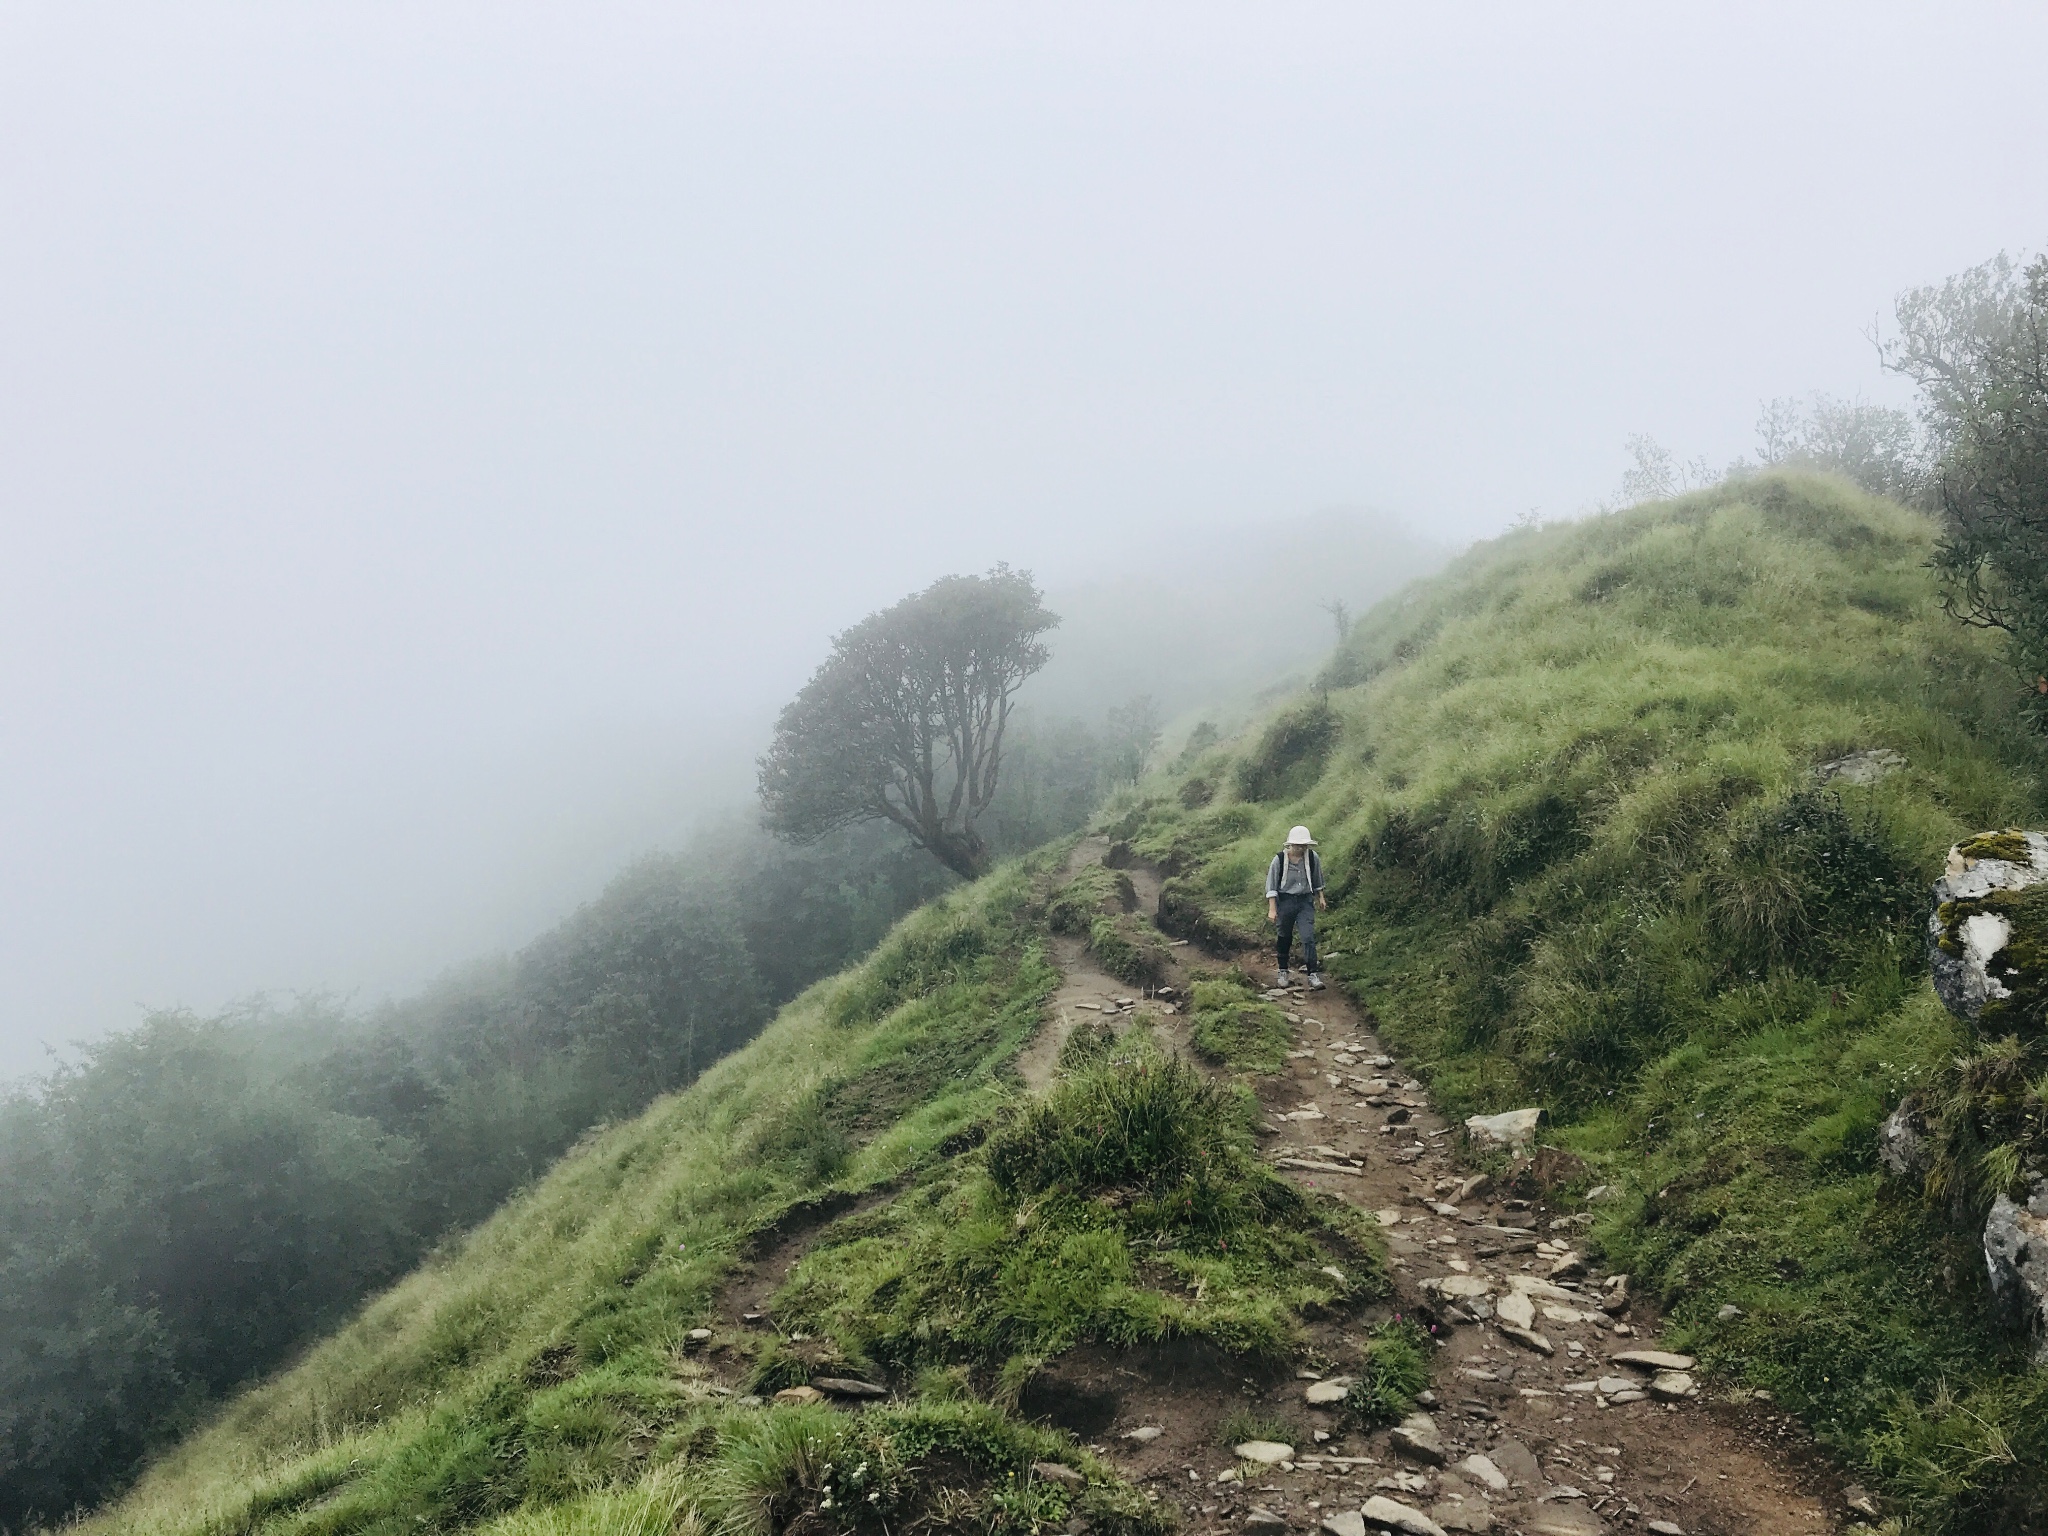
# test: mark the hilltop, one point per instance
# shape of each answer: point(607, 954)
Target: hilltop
point(1631, 819)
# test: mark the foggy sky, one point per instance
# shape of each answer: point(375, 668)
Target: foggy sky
point(434, 438)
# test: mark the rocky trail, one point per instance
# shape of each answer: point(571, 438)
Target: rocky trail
point(1552, 1412)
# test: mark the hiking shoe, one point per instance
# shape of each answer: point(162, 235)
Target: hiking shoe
point(1315, 981)
point(1285, 980)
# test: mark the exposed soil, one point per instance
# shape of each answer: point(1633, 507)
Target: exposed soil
point(1578, 1461)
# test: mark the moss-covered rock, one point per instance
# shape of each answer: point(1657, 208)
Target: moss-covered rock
point(1988, 935)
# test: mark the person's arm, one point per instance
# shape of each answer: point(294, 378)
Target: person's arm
point(1322, 901)
point(1273, 890)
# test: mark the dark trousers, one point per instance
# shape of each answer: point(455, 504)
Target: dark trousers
point(1298, 912)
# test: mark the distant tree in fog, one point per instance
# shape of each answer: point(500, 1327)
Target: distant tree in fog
point(1874, 445)
point(904, 721)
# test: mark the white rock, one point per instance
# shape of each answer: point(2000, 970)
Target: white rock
point(1323, 1394)
point(1670, 1386)
point(1483, 1472)
point(1516, 1310)
point(1396, 1516)
point(1514, 1129)
point(1267, 1453)
point(1960, 951)
point(1665, 1528)
point(1609, 1385)
point(1344, 1522)
point(1388, 1216)
point(1145, 1435)
point(1529, 1285)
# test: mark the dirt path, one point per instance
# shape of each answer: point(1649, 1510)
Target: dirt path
point(1575, 1444)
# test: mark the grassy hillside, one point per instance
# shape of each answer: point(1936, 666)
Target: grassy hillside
point(540, 1375)
point(1582, 855)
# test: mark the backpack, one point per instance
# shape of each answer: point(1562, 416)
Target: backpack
point(1277, 870)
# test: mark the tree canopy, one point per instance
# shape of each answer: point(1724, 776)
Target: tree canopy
point(904, 721)
point(1977, 345)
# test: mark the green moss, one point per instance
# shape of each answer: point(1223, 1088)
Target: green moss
point(1234, 1027)
point(2010, 845)
point(1129, 949)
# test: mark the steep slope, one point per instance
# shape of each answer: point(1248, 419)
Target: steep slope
point(1634, 820)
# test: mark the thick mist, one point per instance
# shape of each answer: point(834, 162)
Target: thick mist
point(434, 440)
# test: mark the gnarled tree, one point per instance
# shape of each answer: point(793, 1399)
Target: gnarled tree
point(904, 721)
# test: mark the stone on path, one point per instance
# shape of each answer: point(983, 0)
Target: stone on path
point(1417, 1436)
point(799, 1395)
point(1344, 1522)
point(1463, 1285)
point(1514, 1129)
point(1263, 1519)
point(1145, 1435)
point(846, 1386)
point(1393, 1515)
point(1483, 1471)
point(1665, 1528)
point(1058, 1472)
point(1670, 1386)
point(1388, 1216)
point(1654, 1360)
point(1563, 1520)
point(1469, 1515)
point(1518, 1461)
point(1516, 1310)
point(1610, 1385)
point(1267, 1453)
point(1324, 1394)
point(1528, 1338)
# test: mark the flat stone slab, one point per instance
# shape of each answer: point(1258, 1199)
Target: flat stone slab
point(846, 1386)
point(1344, 1522)
point(1145, 1434)
point(1516, 1310)
point(1528, 1338)
point(799, 1395)
point(1393, 1515)
point(1670, 1386)
point(1654, 1360)
point(1563, 1520)
point(1481, 1470)
point(1327, 1394)
point(1058, 1472)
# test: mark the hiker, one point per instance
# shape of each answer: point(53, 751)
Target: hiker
point(1294, 889)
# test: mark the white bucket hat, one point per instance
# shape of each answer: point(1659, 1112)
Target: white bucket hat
point(1300, 835)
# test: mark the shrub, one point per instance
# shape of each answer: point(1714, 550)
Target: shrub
point(1396, 1368)
point(1290, 753)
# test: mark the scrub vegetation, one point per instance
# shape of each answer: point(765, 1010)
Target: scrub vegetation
point(190, 1201)
point(1593, 844)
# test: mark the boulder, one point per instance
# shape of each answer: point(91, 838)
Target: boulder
point(1516, 1128)
point(2016, 1253)
point(1978, 903)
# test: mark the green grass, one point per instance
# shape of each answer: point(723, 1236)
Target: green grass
point(1234, 1027)
point(1125, 1207)
point(1397, 1364)
point(532, 1376)
point(1579, 857)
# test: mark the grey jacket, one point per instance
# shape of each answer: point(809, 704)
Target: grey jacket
point(1277, 871)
